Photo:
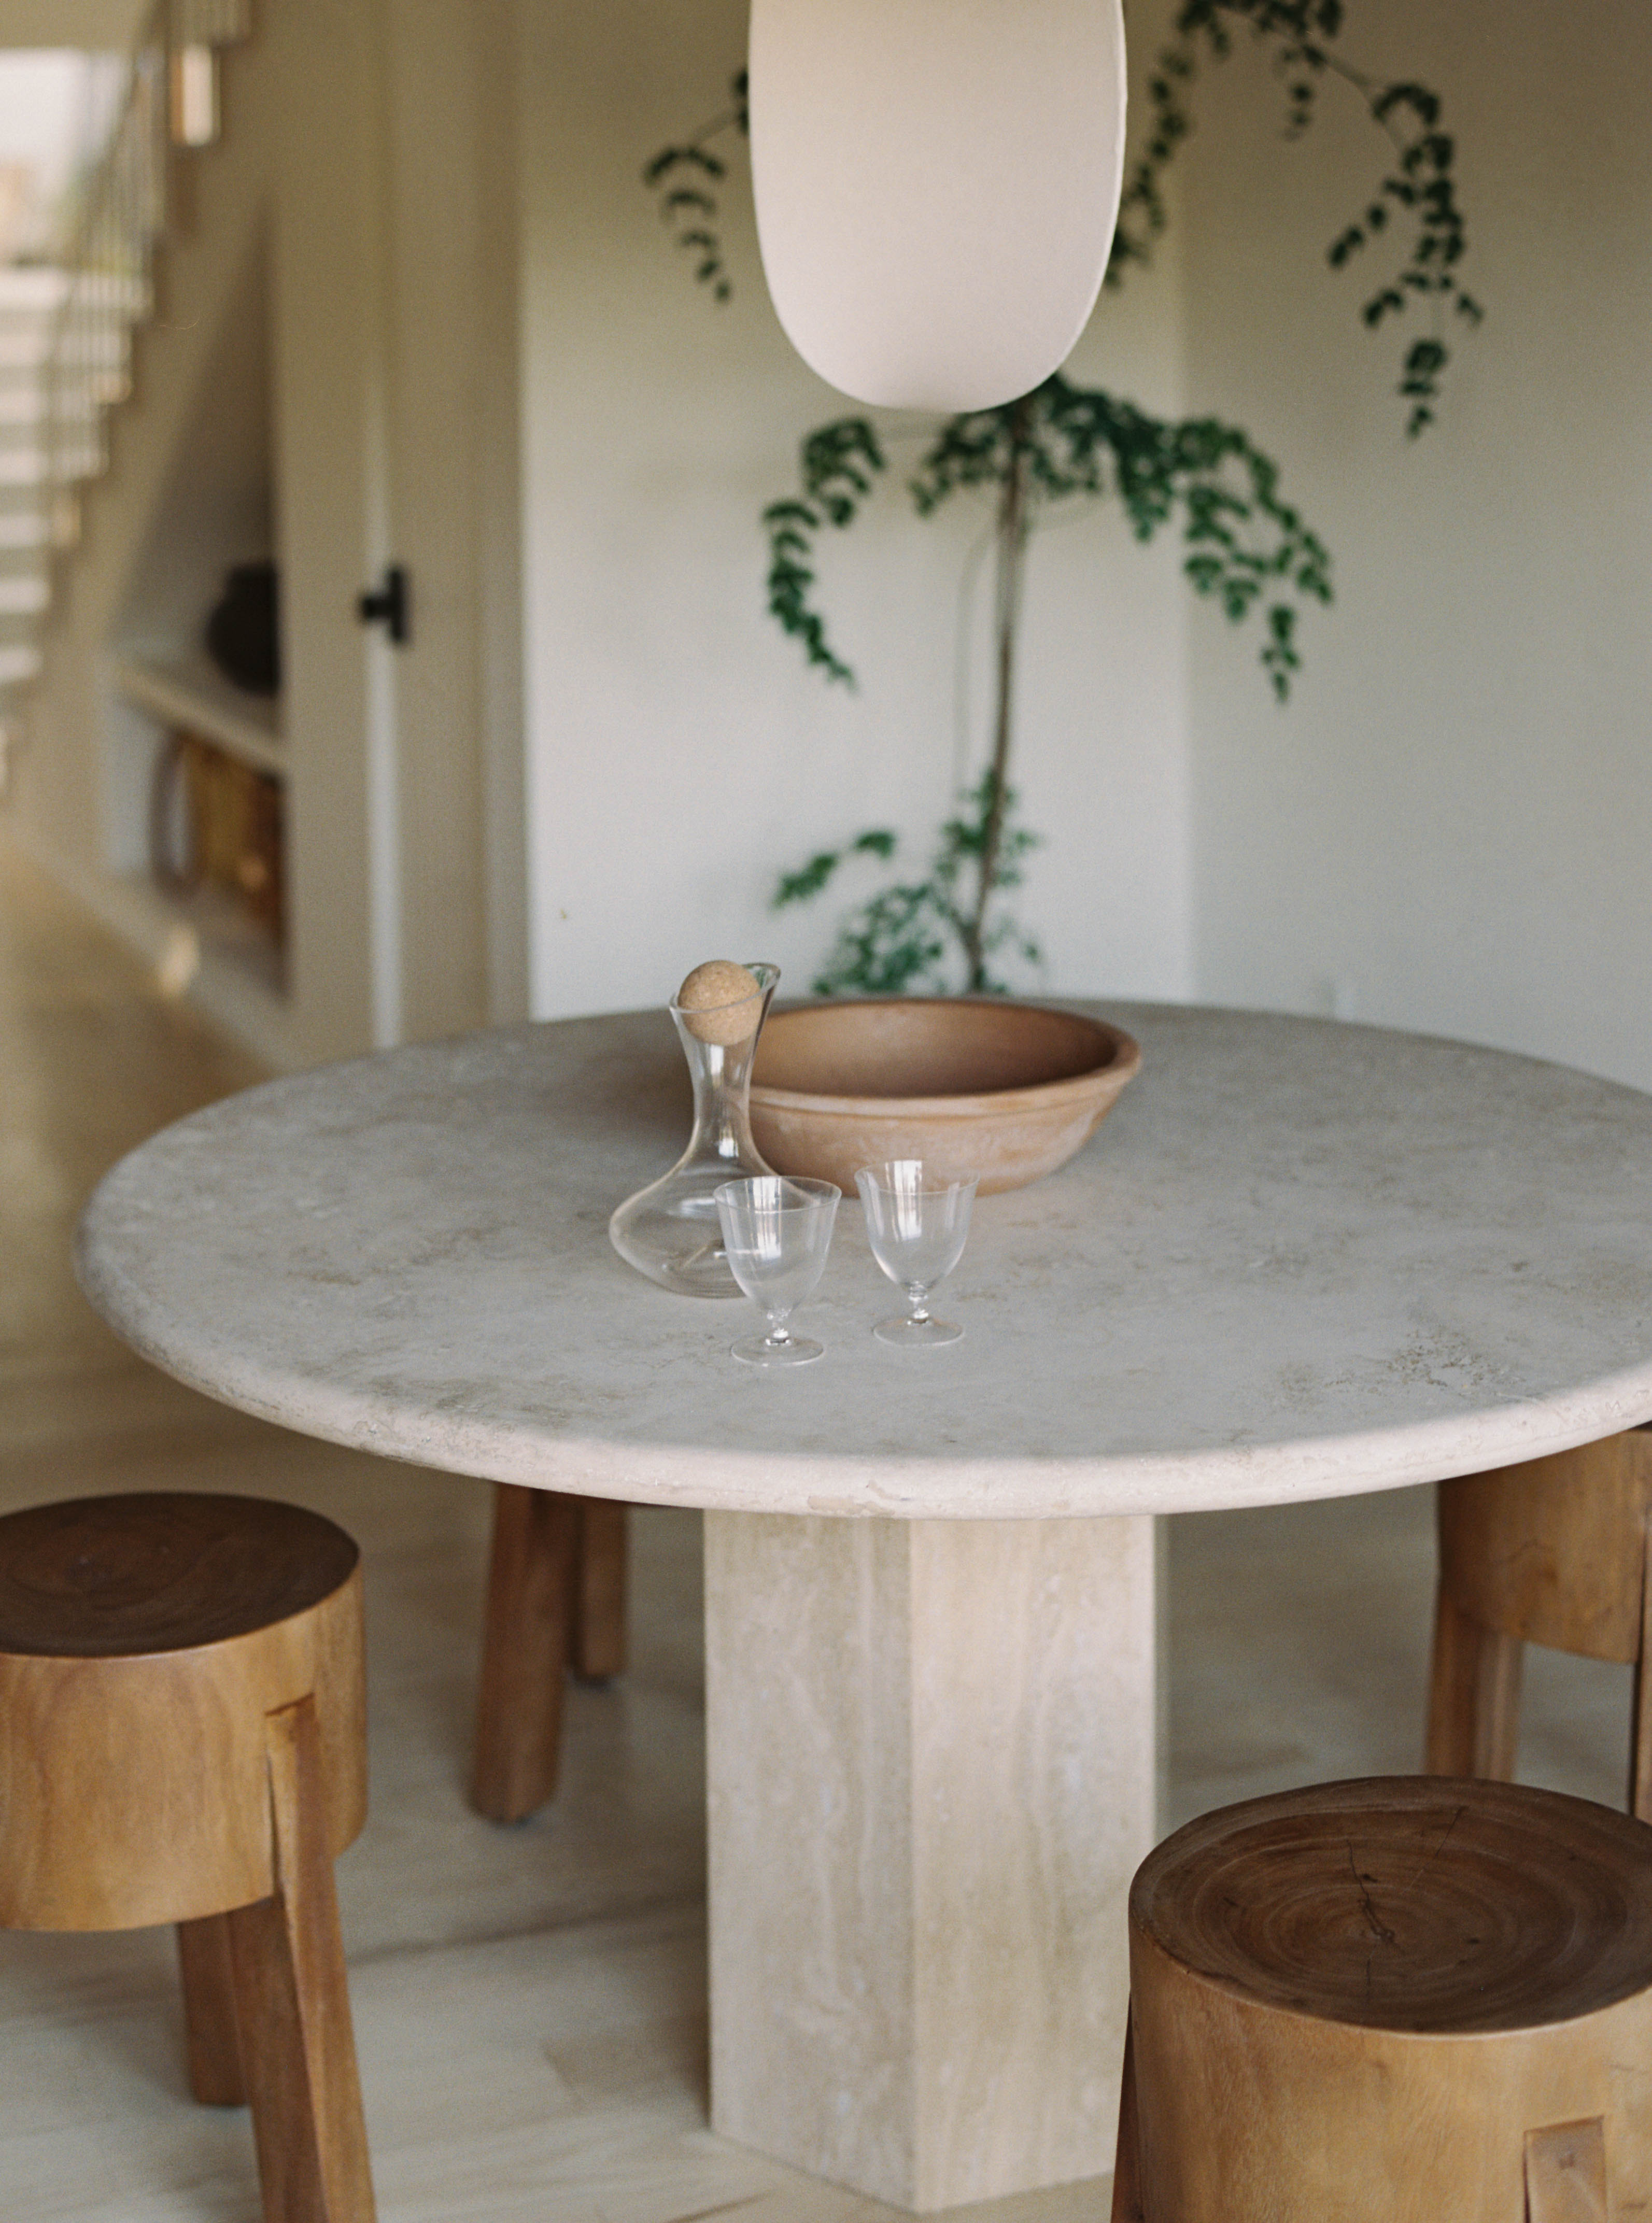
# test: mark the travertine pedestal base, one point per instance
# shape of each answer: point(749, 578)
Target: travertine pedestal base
point(932, 1772)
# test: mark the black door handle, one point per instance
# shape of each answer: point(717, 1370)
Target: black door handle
point(389, 605)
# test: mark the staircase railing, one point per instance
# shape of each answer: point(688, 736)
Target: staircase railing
point(169, 101)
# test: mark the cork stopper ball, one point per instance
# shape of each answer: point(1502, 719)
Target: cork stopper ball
point(720, 1001)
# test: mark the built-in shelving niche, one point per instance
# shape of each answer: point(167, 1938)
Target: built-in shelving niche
point(183, 744)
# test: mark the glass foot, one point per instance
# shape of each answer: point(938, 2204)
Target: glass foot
point(920, 1334)
point(796, 1351)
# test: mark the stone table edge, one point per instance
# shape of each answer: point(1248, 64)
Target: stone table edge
point(1277, 1472)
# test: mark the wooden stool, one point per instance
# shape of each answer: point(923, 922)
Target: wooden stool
point(1399, 2002)
point(183, 1739)
point(556, 1600)
point(1551, 1553)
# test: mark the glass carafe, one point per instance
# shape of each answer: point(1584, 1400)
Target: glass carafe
point(670, 1231)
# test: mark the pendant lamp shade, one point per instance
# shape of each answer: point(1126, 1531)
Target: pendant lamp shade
point(938, 183)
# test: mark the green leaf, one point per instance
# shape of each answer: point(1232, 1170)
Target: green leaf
point(910, 936)
point(807, 881)
point(681, 205)
point(837, 466)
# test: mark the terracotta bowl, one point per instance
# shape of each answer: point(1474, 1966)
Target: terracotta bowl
point(1006, 1091)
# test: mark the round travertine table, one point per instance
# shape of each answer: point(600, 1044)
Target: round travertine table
point(1300, 1260)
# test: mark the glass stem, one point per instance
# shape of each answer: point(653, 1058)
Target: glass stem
point(916, 1291)
point(779, 1331)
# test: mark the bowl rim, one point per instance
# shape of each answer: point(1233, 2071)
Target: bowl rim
point(984, 1103)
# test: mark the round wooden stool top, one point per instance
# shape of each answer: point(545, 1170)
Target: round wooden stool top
point(144, 1640)
point(1408, 1904)
point(1399, 1999)
point(97, 1577)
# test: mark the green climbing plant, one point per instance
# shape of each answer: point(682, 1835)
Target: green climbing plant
point(686, 180)
point(1416, 193)
point(1244, 546)
point(907, 935)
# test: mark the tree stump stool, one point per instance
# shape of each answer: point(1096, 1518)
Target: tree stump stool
point(1406, 2000)
point(1554, 1552)
point(556, 1601)
point(183, 1739)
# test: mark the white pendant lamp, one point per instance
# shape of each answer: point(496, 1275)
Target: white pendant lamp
point(938, 183)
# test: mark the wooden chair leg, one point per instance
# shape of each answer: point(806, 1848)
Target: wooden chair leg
point(214, 2042)
point(293, 2000)
point(524, 1647)
point(1640, 1736)
point(1126, 2165)
point(1566, 2172)
point(597, 1649)
point(1473, 1697)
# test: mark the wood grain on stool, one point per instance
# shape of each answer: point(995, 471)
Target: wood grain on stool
point(1553, 1551)
point(1395, 2002)
point(183, 1739)
point(556, 1599)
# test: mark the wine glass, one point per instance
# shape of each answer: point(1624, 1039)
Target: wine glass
point(776, 1232)
point(918, 1220)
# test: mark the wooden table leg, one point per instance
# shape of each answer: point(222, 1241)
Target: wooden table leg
point(597, 1648)
point(525, 1648)
point(208, 1973)
point(298, 2047)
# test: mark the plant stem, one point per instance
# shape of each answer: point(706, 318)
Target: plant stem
point(1012, 546)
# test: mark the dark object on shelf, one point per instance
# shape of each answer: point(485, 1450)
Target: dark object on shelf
point(216, 823)
point(243, 631)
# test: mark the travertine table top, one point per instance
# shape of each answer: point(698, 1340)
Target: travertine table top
point(1300, 1260)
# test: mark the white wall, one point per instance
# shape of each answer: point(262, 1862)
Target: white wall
point(1449, 828)
point(679, 752)
point(213, 506)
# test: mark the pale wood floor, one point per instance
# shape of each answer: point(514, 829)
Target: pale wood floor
point(530, 2003)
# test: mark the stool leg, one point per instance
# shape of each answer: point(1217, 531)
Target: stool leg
point(598, 1646)
point(1639, 1737)
point(1127, 2166)
point(524, 1651)
point(1473, 1697)
point(292, 1999)
point(208, 1972)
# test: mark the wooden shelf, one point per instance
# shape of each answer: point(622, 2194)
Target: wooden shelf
point(194, 696)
